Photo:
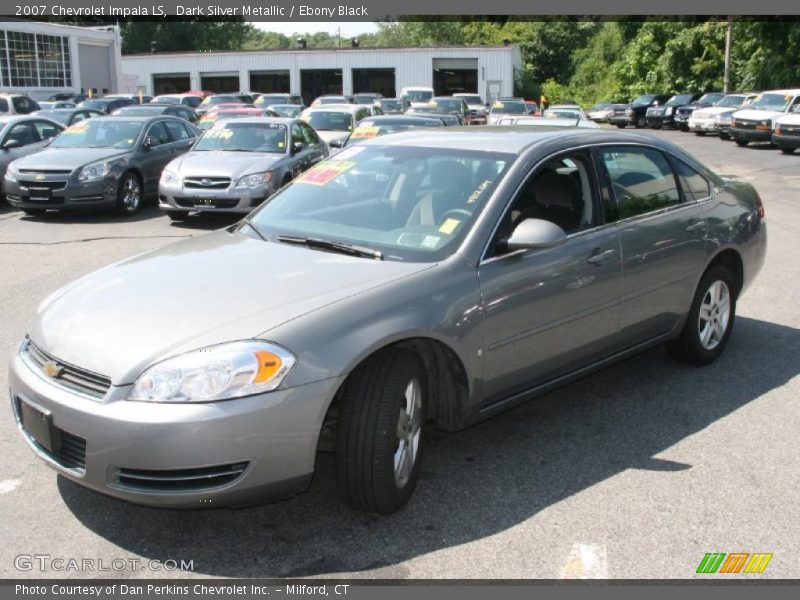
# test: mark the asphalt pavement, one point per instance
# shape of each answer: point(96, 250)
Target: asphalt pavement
point(635, 472)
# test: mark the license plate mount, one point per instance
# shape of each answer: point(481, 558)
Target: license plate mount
point(38, 423)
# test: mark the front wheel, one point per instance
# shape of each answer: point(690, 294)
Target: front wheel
point(700, 133)
point(621, 125)
point(640, 123)
point(710, 320)
point(380, 425)
point(177, 215)
point(787, 150)
point(129, 195)
point(724, 136)
point(34, 212)
point(742, 143)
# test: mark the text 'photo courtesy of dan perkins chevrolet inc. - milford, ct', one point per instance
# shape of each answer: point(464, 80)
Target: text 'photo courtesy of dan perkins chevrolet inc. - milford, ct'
point(196, 10)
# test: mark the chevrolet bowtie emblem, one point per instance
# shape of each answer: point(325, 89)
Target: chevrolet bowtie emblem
point(205, 181)
point(51, 369)
point(39, 177)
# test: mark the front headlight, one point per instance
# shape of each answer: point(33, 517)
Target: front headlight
point(220, 372)
point(254, 180)
point(169, 177)
point(11, 173)
point(668, 110)
point(629, 112)
point(764, 124)
point(95, 171)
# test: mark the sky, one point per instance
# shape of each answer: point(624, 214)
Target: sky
point(349, 28)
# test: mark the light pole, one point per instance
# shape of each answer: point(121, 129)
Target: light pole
point(728, 43)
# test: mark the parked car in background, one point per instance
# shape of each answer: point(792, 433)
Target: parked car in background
point(69, 96)
point(786, 131)
point(504, 107)
point(17, 104)
point(335, 121)
point(136, 98)
point(242, 112)
point(104, 105)
point(755, 123)
point(289, 111)
point(415, 95)
point(565, 111)
point(601, 112)
point(447, 119)
point(21, 135)
point(237, 165)
point(191, 100)
point(635, 113)
point(532, 106)
point(546, 121)
point(351, 306)
point(708, 119)
point(210, 102)
point(451, 105)
point(270, 99)
point(332, 99)
point(145, 110)
point(68, 116)
point(367, 97)
point(373, 127)
point(684, 112)
point(110, 162)
point(478, 110)
point(391, 106)
point(657, 117)
point(52, 105)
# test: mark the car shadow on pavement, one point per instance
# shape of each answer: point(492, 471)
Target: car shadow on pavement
point(475, 483)
point(208, 221)
point(88, 217)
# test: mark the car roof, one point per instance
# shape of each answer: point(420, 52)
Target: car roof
point(413, 118)
point(275, 120)
point(335, 107)
point(795, 91)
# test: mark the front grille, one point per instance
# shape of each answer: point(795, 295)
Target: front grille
point(179, 480)
point(67, 375)
point(745, 124)
point(207, 183)
point(685, 112)
point(206, 202)
point(45, 171)
point(43, 185)
point(790, 130)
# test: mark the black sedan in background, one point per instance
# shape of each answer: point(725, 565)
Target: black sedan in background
point(106, 105)
point(683, 113)
point(69, 116)
point(381, 125)
point(152, 109)
point(664, 116)
point(635, 113)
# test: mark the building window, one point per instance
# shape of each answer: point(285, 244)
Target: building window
point(34, 60)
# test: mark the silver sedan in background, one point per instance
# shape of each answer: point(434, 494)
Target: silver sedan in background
point(23, 135)
point(237, 164)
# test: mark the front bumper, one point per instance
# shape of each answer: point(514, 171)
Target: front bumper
point(750, 135)
point(176, 197)
point(659, 120)
point(786, 141)
point(681, 121)
point(61, 192)
point(166, 454)
point(707, 125)
point(620, 119)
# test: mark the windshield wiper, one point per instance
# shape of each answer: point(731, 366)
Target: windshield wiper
point(340, 247)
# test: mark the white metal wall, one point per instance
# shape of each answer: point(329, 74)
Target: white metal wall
point(413, 66)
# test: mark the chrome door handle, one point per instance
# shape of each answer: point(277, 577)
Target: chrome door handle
point(598, 258)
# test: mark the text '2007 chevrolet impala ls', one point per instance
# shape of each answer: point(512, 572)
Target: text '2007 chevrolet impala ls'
point(428, 278)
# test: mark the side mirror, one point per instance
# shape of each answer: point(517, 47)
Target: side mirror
point(336, 143)
point(535, 234)
point(11, 144)
point(297, 147)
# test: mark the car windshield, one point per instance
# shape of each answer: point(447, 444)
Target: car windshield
point(244, 137)
point(509, 107)
point(472, 99)
point(95, 104)
point(447, 104)
point(418, 95)
point(329, 120)
point(776, 102)
point(711, 98)
point(331, 100)
point(643, 100)
point(212, 100)
point(167, 100)
point(562, 114)
point(679, 100)
point(602, 105)
point(271, 99)
point(411, 204)
point(99, 133)
point(287, 110)
point(364, 98)
point(731, 101)
point(369, 129)
point(139, 111)
point(390, 105)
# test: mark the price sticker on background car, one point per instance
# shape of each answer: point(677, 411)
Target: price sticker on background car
point(365, 132)
point(78, 127)
point(498, 105)
point(219, 132)
point(325, 172)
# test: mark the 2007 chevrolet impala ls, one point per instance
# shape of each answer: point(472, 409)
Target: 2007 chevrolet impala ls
point(429, 277)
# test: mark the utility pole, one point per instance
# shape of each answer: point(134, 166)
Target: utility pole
point(728, 43)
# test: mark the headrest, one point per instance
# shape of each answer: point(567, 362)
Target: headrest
point(555, 189)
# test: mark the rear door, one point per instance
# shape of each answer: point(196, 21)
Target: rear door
point(155, 158)
point(660, 205)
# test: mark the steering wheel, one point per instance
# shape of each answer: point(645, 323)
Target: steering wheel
point(460, 212)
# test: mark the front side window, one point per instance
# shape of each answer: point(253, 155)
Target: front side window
point(46, 130)
point(176, 130)
point(22, 134)
point(411, 204)
point(642, 180)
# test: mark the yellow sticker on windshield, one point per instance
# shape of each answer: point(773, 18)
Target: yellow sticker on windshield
point(219, 132)
point(498, 105)
point(479, 191)
point(281, 144)
point(78, 127)
point(365, 132)
point(325, 172)
point(449, 226)
point(433, 103)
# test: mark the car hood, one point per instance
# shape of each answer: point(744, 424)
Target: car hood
point(328, 136)
point(206, 290)
point(710, 111)
point(67, 158)
point(755, 114)
point(223, 164)
point(793, 119)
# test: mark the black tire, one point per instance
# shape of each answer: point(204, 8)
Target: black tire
point(177, 215)
point(724, 136)
point(34, 212)
point(700, 133)
point(368, 431)
point(126, 205)
point(640, 123)
point(655, 127)
point(787, 150)
point(689, 347)
point(742, 143)
point(621, 125)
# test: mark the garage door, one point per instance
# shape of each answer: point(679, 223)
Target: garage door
point(455, 75)
point(380, 81)
point(220, 83)
point(170, 83)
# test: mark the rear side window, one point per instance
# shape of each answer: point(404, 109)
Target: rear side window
point(695, 186)
point(642, 180)
point(309, 136)
point(176, 130)
point(3, 105)
point(46, 130)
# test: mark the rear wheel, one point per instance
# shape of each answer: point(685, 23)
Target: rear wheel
point(129, 195)
point(177, 215)
point(640, 123)
point(700, 133)
point(724, 136)
point(34, 212)
point(742, 143)
point(379, 436)
point(787, 150)
point(710, 321)
point(621, 125)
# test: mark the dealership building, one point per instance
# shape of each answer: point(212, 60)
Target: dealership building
point(42, 59)
point(311, 72)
